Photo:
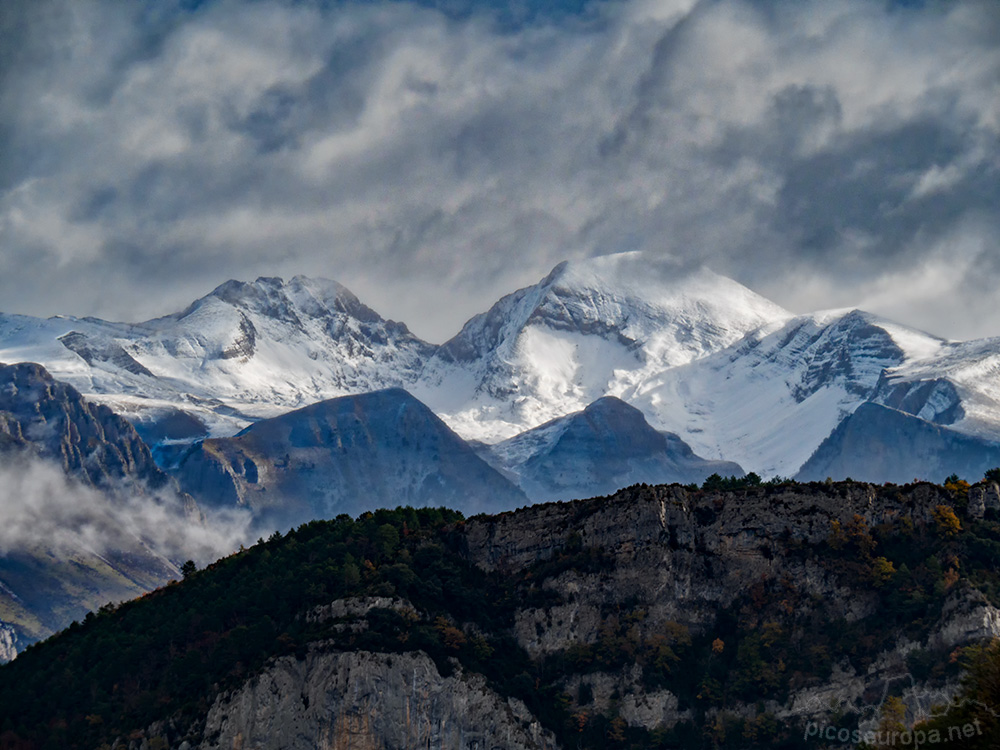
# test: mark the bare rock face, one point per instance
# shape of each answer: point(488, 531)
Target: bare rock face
point(674, 523)
point(8, 643)
point(51, 419)
point(357, 607)
point(43, 587)
point(682, 557)
point(967, 616)
point(982, 497)
point(655, 710)
point(368, 701)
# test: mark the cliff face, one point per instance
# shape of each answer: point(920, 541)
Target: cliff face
point(46, 583)
point(684, 559)
point(369, 701)
point(686, 533)
point(8, 643)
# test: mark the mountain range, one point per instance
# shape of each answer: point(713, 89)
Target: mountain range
point(723, 373)
point(289, 401)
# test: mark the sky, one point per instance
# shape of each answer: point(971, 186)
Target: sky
point(434, 155)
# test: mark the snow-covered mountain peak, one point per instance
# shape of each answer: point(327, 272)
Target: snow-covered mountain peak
point(624, 291)
point(632, 275)
point(245, 348)
point(289, 301)
point(768, 401)
point(915, 343)
point(672, 312)
point(733, 375)
point(588, 329)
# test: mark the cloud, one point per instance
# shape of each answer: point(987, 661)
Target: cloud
point(42, 507)
point(432, 158)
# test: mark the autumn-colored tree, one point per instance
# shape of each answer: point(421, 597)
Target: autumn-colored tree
point(947, 522)
point(882, 571)
point(860, 535)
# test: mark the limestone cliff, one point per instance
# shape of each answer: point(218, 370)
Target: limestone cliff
point(683, 558)
point(368, 701)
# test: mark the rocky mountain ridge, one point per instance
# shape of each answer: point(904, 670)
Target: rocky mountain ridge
point(50, 419)
point(734, 376)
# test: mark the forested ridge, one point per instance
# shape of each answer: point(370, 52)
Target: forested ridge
point(170, 653)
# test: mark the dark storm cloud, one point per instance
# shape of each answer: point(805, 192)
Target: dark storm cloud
point(432, 156)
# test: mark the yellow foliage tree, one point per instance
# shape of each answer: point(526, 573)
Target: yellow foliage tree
point(946, 520)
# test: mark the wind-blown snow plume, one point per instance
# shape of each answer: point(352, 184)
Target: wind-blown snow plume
point(42, 508)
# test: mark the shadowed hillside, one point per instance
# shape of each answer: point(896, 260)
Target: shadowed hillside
point(657, 617)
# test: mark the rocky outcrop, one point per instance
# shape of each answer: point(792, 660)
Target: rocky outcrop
point(849, 351)
point(8, 643)
point(368, 701)
point(683, 557)
point(967, 616)
point(935, 400)
point(245, 344)
point(46, 584)
point(983, 497)
point(671, 520)
point(97, 351)
point(52, 420)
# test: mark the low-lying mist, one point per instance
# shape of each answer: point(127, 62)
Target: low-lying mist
point(43, 508)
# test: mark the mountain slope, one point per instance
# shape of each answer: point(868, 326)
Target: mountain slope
point(607, 446)
point(51, 420)
point(345, 455)
point(879, 444)
point(958, 386)
point(768, 401)
point(658, 617)
point(64, 466)
point(589, 329)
